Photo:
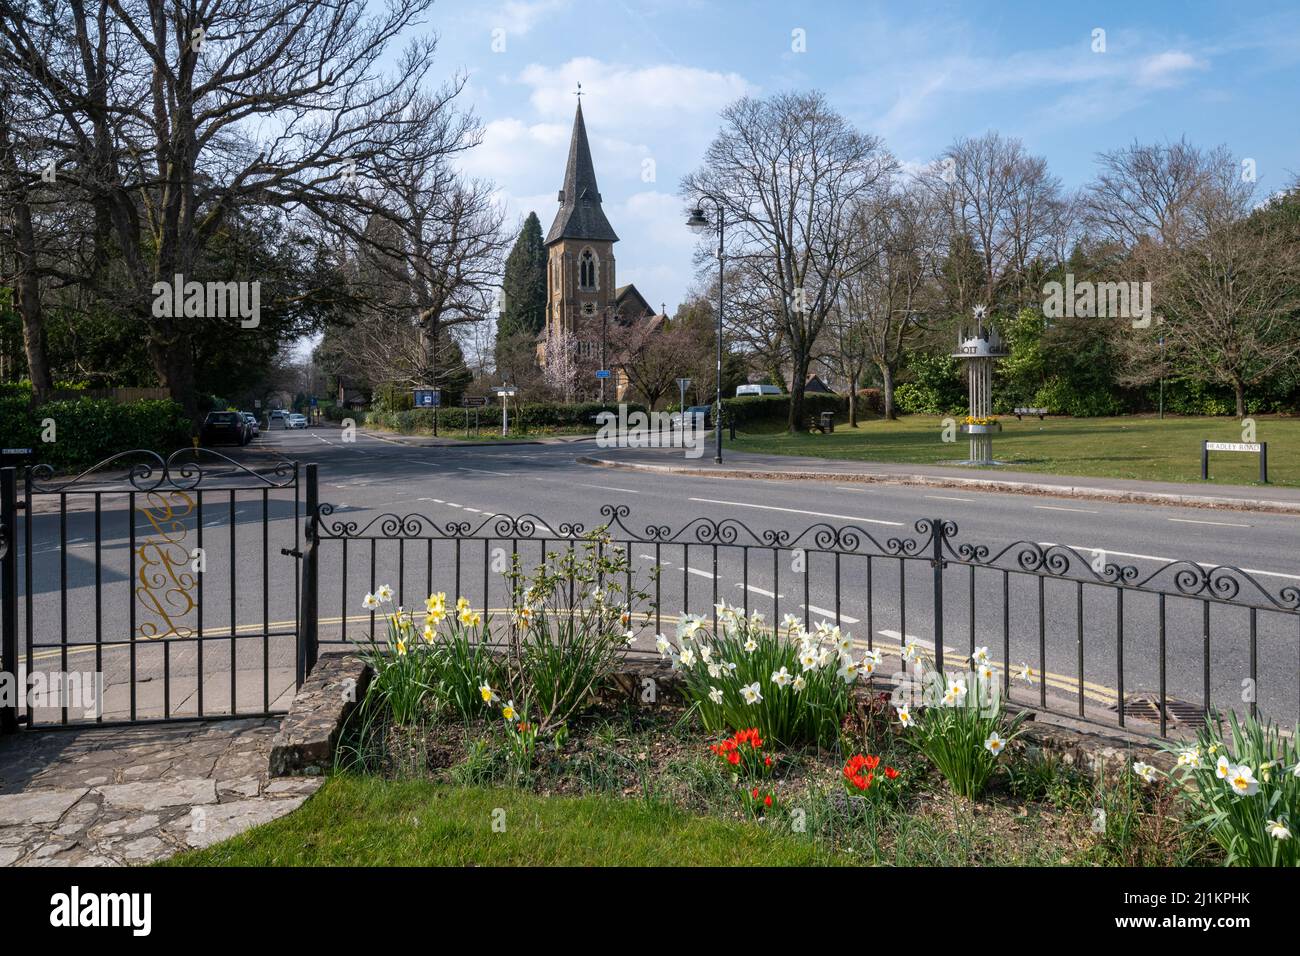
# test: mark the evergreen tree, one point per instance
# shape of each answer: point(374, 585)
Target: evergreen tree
point(524, 287)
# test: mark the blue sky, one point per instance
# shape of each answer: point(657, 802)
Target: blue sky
point(655, 75)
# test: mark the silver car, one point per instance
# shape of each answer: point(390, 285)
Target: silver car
point(297, 420)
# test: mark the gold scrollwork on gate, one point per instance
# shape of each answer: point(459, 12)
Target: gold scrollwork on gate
point(166, 579)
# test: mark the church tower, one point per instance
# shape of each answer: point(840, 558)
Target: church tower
point(580, 245)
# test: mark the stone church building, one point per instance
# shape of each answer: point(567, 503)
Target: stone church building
point(583, 296)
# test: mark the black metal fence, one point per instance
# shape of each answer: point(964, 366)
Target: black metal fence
point(150, 589)
point(1073, 632)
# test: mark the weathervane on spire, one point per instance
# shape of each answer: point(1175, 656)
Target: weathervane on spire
point(579, 92)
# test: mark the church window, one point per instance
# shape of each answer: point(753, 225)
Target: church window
point(587, 270)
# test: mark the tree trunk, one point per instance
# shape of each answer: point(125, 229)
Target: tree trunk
point(169, 352)
point(853, 404)
point(887, 390)
point(27, 292)
point(795, 423)
point(1239, 387)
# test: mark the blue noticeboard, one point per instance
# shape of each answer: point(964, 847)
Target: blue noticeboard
point(602, 373)
point(428, 397)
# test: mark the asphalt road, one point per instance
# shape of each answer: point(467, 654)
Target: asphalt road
point(877, 599)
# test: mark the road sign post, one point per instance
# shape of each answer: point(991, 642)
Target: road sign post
point(506, 392)
point(682, 385)
point(1250, 447)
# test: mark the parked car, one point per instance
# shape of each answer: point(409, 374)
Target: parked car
point(297, 420)
point(276, 415)
point(743, 390)
point(224, 428)
point(254, 427)
point(695, 411)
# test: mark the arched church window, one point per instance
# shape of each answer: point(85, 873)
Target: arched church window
point(587, 270)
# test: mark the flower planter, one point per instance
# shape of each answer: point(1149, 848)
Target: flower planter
point(981, 429)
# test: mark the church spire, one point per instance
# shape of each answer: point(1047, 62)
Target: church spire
point(580, 215)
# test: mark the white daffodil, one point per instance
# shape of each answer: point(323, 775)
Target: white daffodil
point(808, 658)
point(1222, 767)
point(687, 657)
point(781, 678)
point(706, 653)
point(910, 650)
point(508, 710)
point(843, 642)
point(1295, 771)
point(1190, 758)
point(1145, 771)
point(750, 645)
point(848, 671)
point(1243, 782)
point(985, 672)
point(870, 661)
point(994, 743)
point(430, 635)
point(825, 657)
point(756, 619)
point(751, 693)
point(663, 645)
point(730, 666)
point(791, 623)
point(1025, 673)
point(980, 655)
point(798, 683)
point(715, 695)
point(715, 670)
point(370, 602)
point(487, 693)
point(629, 637)
point(1277, 830)
point(384, 593)
point(955, 695)
point(904, 715)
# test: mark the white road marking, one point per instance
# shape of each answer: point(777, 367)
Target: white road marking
point(628, 491)
point(844, 618)
point(1223, 524)
point(703, 574)
point(948, 498)
point(484, 471)
point(1082, 511)
point(796, 511)
point(475, 510)
point(758, 590)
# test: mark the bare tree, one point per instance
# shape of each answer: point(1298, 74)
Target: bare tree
point(787, 172)
point(885, 302)
point(654, 357)
point(1004, 203)
point(560, 373)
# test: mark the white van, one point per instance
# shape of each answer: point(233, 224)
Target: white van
point(743, 390)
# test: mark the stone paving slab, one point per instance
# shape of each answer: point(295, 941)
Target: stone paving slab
point(124, 796)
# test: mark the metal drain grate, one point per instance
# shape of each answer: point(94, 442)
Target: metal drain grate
point(1145, 705)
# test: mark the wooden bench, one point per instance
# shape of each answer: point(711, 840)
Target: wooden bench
point(816, 424)
point(1018, 412)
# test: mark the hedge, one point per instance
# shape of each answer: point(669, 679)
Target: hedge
point(530, 416)
point(89, 430)
point(775, 409)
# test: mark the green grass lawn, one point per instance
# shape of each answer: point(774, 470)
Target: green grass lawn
point(367, 821)
point(1129, 447)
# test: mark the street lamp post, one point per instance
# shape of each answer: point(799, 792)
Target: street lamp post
point(699, 223)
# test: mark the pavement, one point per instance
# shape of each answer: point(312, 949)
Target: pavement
point(103, 796)
point(797, 468)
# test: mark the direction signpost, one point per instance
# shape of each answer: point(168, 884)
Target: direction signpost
point(475, 402)
point(506, 392)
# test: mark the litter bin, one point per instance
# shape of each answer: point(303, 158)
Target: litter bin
point(828, 422)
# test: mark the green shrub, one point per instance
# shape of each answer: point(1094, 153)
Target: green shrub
point(88, 430)
point(751, 410)
point(530, 416)
point(793, 686)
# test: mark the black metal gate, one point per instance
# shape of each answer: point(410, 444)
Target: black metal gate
point(149, 589)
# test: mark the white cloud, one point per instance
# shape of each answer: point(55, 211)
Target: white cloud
point(628, 98)
point(1168, 68)
point(518, 17)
